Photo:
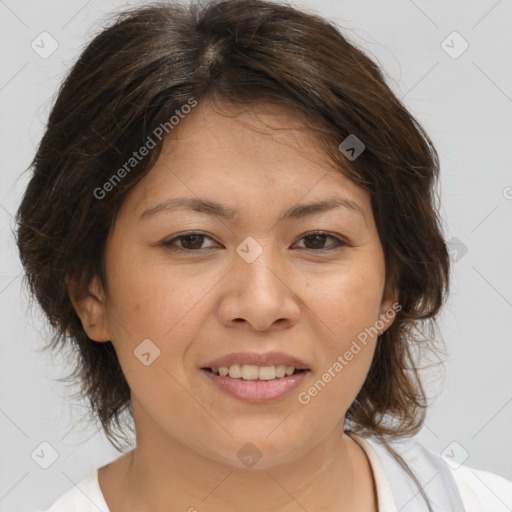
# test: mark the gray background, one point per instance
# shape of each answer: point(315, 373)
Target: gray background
point(465, 104)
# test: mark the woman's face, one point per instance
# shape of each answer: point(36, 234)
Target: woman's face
point(243, 270)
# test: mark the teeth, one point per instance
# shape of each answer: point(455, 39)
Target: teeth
point(249, 372)
point(280, 371)
point(252, 372)
point(289, 370)
point(235, 371)
point(267, 372)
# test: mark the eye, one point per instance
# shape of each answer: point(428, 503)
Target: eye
point(316, 241)
point(193, 242)
point(189, 242)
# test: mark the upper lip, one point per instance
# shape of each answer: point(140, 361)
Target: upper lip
point(254, 358)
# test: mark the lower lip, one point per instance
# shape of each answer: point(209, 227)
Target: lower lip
point(257, 391)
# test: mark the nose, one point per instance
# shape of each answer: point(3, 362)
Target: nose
point(259, 294)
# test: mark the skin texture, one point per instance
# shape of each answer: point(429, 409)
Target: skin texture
point(197, 306)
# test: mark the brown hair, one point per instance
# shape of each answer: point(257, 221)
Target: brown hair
point(134, 76)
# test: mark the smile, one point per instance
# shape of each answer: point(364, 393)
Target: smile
point(256, 384)
point(253, 372)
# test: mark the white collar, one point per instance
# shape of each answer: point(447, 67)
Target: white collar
point(385, 500)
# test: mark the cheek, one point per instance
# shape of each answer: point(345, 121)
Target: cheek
point(146, 296)
point(165, 305)
point(345, 308)
point(343, 319)
point(346, 301)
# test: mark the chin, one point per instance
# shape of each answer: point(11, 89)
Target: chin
point(258, 451)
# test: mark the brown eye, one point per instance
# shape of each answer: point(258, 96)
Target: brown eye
point(187, 242)
point(316, 241)
point(192, 241)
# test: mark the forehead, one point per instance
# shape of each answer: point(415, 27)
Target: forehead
point(263, 152)
point(246, 132)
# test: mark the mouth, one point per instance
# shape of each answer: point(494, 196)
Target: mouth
point(256, 384)
point(254, 372)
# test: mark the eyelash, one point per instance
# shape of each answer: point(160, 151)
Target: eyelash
point(169, 244)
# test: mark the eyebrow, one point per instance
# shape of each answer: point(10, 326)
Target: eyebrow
point(212, 208)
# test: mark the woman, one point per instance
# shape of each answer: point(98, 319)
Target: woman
point(232, 218)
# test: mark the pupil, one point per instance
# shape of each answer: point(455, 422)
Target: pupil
point(196, 241)
point(317, 238)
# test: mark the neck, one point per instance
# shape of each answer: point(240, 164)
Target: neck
point(161, 473)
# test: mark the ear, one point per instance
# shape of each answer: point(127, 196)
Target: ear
point(90, 306)
point(389, 306)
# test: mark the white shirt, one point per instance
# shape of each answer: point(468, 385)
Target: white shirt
point(450, 488)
